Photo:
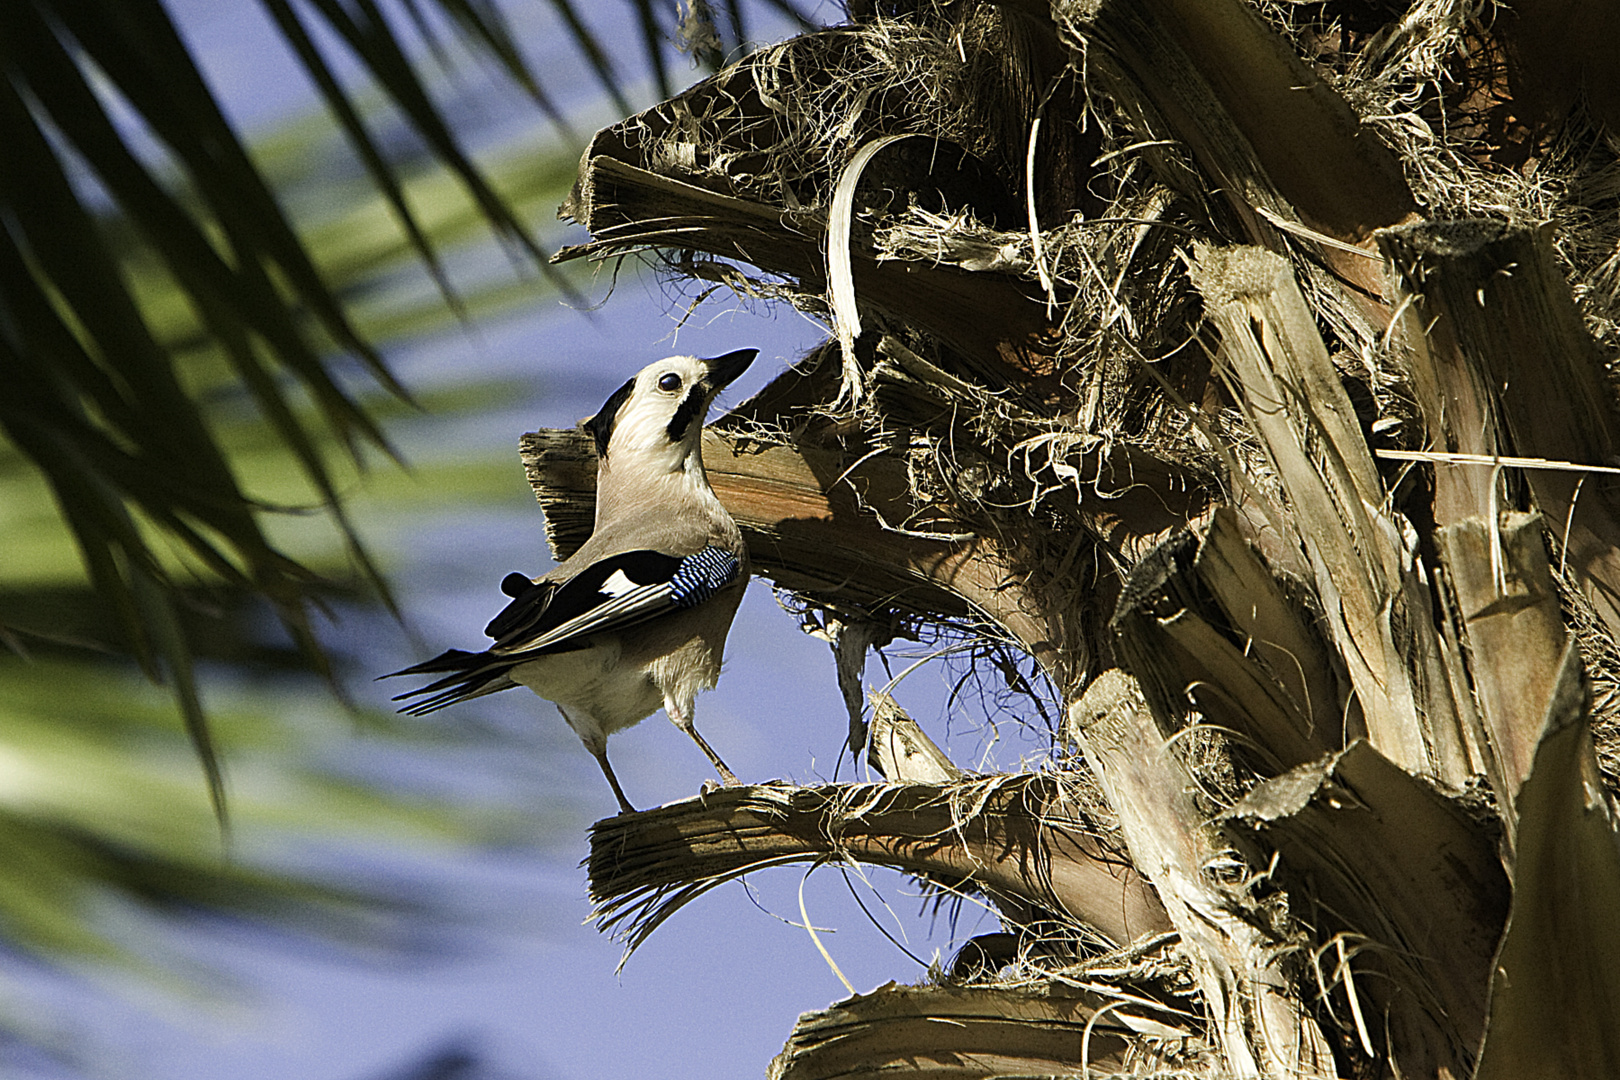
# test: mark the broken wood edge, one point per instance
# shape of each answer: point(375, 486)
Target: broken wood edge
point(901, 751)
point(1359, 550)
point(1278, 627)
point(1406, 880)
point(1257, 1010)
point(1191, 655)
point(1512, 625)
point(1046, 1029)
point(1014, 836)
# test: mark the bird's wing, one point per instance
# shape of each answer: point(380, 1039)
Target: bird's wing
point(613, 594)
point(547, 617)
point(530, 600)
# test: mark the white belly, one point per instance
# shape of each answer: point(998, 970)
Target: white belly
point(597, 695)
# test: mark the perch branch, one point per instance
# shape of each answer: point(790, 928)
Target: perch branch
point(806, 516)
point(822, 521)
point(1013, 836)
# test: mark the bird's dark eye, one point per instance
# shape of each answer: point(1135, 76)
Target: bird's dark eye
point(670, 382)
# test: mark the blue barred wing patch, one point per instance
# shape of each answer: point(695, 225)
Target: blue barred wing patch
point(702, 575)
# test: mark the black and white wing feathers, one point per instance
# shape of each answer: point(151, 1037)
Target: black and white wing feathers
point(614, 594)
point(611, 595)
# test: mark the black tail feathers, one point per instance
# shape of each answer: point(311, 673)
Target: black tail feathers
point(470, 675)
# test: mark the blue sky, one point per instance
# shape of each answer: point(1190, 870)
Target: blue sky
point(716, 990)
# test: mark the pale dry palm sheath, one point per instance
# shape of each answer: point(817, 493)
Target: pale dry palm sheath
point(638, 616)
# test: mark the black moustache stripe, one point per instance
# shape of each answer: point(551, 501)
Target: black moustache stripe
point(691, 408)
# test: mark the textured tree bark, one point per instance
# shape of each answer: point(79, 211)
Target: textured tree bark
point(1514, 628)
point(1239, 661)
point(1377, 607)
point(1555, 983)
point(1298, 623)
point(1496, 340)
point(1409, 887)
point(1256, 1011)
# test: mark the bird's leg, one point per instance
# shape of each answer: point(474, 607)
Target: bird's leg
point(682, 719)
point(600, 753)
point(596, 742)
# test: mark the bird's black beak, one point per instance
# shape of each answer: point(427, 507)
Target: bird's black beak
point(723, 370)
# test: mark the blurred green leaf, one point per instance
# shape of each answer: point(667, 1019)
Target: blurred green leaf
point(99, 799)
point(192, 331)
point(147, 262)
point(99, 803)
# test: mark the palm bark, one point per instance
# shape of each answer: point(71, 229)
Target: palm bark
point(1293, 660)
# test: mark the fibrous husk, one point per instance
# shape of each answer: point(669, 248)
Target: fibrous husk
point(1116, 271)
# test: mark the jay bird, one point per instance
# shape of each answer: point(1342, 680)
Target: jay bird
point(638, 616)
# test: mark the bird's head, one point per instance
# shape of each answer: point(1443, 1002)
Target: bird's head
point(656, 419)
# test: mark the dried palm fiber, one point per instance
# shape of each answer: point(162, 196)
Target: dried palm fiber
point(778, 129)
point(1438, 83)
point(1024, 455)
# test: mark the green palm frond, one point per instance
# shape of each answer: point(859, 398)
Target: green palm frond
point(108, 812)
point(101, 817)
point(97, 403)
point(131, 211)
point(96, 400)
point(190, 330)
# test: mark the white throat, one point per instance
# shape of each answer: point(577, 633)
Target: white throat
point(635, 483)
